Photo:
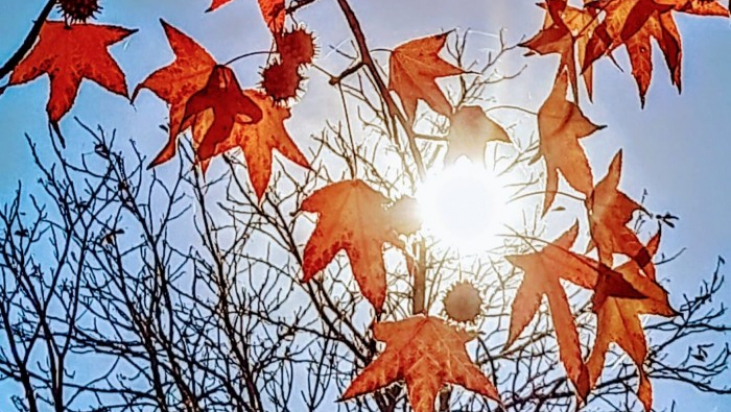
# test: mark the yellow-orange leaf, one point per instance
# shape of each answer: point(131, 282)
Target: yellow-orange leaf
point(357, 219)
point(469, 132)
point(618, 321)
point(634, 23)
point(609, 213)
point(566, 32)
point(414, 67)
point(427, 354)
point(561, 124)
point(543, 271)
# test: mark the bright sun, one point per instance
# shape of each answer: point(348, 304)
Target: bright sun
point(464, 206)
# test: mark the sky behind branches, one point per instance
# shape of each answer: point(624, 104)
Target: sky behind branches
point(677, 148)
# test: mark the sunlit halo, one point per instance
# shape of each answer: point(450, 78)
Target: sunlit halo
point(464, 206)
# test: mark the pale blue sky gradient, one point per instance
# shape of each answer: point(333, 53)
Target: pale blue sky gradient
point(677, 148)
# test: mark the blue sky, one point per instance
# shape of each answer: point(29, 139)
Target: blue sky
point(677, 147)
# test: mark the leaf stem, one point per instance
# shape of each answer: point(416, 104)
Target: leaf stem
point(367, 61)
point(245, 55)
point(542, 192)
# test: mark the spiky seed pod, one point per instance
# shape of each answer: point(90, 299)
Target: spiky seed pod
point(405, 217)
point(78, 10)
point(297, 47)
point(463, 302)
point(281, 81)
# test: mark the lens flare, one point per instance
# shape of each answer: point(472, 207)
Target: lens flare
point(464, 206)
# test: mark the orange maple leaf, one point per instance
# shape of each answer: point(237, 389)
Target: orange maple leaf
point(427, 353)
point(256, 140)
point(68, 54)
point(177, 82)
point(566, 32)
point(414, 66)
point(357, 219)
point(273, 12)
point(543, 271)
point(618, 321)
point(561, 124)
point(221, 95)
point(469, 132)
point(609, 213)
point(633, 23)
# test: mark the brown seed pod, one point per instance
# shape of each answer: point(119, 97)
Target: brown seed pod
point(404, 215)
point(78, 10)
point(297, 47)
point(281, 81)
point(463, 302)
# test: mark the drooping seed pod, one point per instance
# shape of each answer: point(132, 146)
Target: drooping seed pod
point(297, 47)
point(281, 81)
point(78, 10)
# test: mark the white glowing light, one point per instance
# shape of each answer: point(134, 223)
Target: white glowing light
point(465, 206)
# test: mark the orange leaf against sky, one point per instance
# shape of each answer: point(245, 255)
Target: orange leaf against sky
point(221, 95)
point(426, 353)
point(543, 271)
point(609, 213)
point(634, 23)
point(414, 68)
point(256, 140)
point(561, 124)
point(566, 32)
point(177, 82)
point(357, 219)
point(215, 4)
point(469, 132)
point(273, 12)
point(618, 321)
point(69, 54)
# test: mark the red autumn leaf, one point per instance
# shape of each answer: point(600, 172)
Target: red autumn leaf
point(426, 353)
point(257, 140)
point(177, 82)
point(218, 3)
point(618, 321)
point(414, 67)
point(566, 32)
point(660, 26)
point(561, 124)
point(633, 23)
point(698, 7)
point(355, 218)
point(221, 95)
point(273, 12)
point(609, 213)
point(469, 133)
point(69, 54)
point(543, 271)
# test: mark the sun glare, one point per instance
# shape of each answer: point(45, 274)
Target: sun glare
point(464, 206)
